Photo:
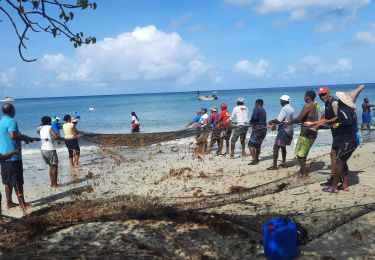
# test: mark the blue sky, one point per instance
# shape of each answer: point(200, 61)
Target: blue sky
point(157, 46)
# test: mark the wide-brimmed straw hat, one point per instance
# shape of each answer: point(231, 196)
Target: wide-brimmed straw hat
point(349, 98)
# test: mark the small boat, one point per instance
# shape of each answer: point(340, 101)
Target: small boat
point(213, 96)
point(7, 99)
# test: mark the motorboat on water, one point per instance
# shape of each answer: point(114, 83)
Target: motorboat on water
point(212, 96)
point(7, 99)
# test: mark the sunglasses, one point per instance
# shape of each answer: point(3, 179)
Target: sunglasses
point(323, 95)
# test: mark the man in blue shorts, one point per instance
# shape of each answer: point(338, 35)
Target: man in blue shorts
point(12, 169)
point(366, 114)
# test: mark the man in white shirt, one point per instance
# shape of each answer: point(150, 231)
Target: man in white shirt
point(241, 114)
point(284, 133)
point(48, 149)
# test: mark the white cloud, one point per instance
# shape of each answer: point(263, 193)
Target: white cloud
point(257, 70)
point(144, 54)
point(273, 6)
point(8, 77)
point(339, 13)
point(324, 28)
point(298, 15)
point(316, 66)
point(239, 2)
point(365, 38)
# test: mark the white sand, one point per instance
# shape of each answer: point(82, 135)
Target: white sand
point(151, 171)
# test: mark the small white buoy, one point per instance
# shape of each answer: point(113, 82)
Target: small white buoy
point(91, 109)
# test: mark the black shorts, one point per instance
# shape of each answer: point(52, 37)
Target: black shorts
point(257, 136)
point(72, 145)
point(12, 173)
point(344, 146)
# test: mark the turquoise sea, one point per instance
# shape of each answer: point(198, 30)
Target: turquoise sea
point(157, 112)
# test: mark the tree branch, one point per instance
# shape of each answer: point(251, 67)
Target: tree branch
point(32, 15)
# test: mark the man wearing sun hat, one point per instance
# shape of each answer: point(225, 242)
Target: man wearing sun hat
point(345, 140)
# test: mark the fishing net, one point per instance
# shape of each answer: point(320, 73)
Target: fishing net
point(20, 236)
point(138, 139)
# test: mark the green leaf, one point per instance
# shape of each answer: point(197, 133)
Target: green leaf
point(54, 32)
point(71, 15)
point(93, 40)
point(94, 6)
point(35, 4)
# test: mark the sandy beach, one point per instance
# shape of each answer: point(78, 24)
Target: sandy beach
point(227, 226)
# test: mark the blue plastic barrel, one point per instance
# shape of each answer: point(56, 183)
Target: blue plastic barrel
point(280, 239)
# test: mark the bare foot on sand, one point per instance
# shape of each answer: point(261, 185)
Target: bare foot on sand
point(11, 205)
point(56, 186)
point(303, 176)
point(26, 206)
point(2, 221)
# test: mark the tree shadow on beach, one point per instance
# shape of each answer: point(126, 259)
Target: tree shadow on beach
point(74, 181)
point(58, 196)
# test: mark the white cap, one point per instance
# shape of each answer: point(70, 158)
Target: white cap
point(285, 98)
point(241, 100)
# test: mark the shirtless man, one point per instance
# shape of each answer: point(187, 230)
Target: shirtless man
point(307, 136)
point(366, 114)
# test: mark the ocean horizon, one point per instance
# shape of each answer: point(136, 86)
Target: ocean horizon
point(158, 112)
point(202, 91)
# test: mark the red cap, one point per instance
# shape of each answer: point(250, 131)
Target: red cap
point(223, 106)
point(271, 227)
point(323, 90)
